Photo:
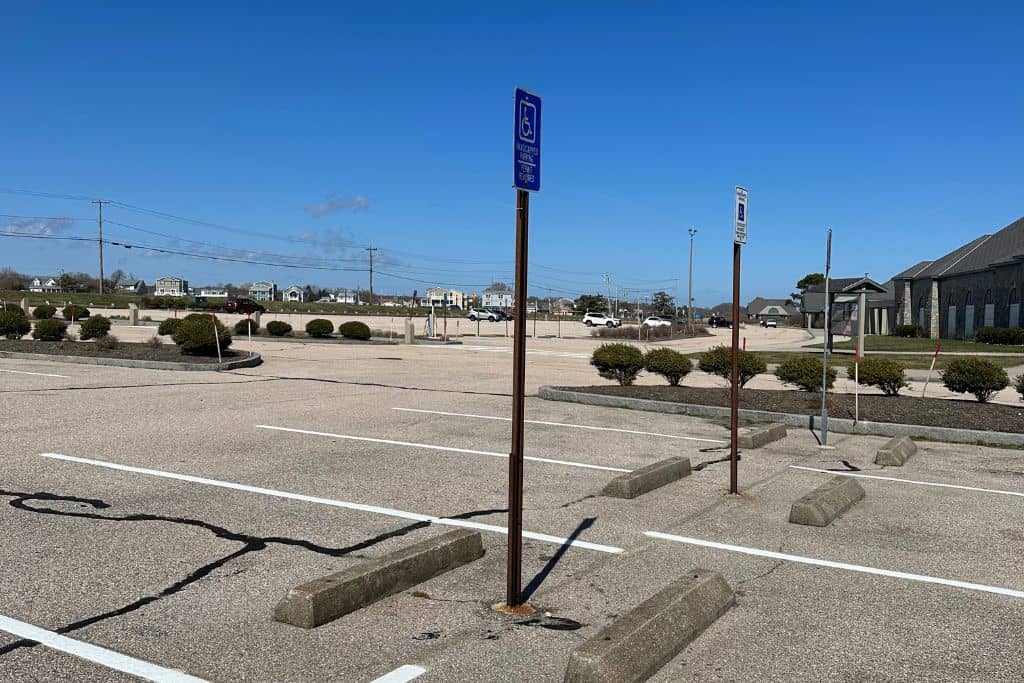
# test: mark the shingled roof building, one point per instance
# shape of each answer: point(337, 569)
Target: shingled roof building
point(977, 285)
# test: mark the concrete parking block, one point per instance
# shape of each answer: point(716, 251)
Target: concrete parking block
point(638, 643)
point(656, 475)
point(896, 452)
point(322, 600)
point(762, 435)
point(825, 504)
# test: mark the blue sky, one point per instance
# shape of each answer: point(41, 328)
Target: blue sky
point(314, 130)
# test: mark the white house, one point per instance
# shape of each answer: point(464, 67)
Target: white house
point(170, 286)
point(438, 296)
point(345, 296)
point(263, 291)
point(44, 284)
point(212, 292)
point(498, 300)
point(125, 286)
point(295, 294)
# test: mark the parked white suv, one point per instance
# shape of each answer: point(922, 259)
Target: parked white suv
point(655, 321)
point(591, 319)
point(482, 314)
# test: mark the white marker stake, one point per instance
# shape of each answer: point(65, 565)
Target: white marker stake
point(401, 675)
point(935, 357)
point(837, 565)
point(95, 654)
point(216, 336)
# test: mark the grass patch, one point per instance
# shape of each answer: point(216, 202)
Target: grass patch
point(888, 343)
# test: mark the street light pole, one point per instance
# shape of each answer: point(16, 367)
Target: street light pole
point(689, 291)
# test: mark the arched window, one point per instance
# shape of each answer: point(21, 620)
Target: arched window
point(969, 298)
point(988, 296)
point(1013, 296)
point(1014, 317)
point(989, 309)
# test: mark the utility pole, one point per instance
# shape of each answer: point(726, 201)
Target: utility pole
point(99, 205)
point(607, 278)
point(370, 249)
point(689, 291)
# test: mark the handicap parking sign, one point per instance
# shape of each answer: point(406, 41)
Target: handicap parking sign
point(526, 141)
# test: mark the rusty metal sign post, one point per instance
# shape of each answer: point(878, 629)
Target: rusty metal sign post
point(526, 165)
point(739, 239)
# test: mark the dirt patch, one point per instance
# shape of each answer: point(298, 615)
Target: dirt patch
point(932, 412)
point(125, 350)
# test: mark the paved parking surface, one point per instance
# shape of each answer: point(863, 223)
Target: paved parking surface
point(161, 515)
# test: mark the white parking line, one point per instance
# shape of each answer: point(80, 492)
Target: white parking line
point(415, 516)
point(908, 481)
point(836, 565)
point(561, 424)
point(95, 654)
point(38, 374)
point(451, 449)
point(401, 674)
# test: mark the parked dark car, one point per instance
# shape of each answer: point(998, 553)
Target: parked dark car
point(719, 321)
point(246, 306)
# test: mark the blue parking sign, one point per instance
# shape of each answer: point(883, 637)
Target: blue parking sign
point(526, 141)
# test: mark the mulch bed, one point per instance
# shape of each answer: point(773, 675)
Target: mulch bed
point(125, 350)
point(932, 412)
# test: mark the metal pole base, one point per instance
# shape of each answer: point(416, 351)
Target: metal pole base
point(523, 610)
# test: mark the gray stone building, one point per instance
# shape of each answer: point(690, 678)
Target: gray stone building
point(976, 285)
point(844, 293)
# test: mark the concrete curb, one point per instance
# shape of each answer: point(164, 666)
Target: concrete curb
point(656, 475)
point(247, 362)
point(638, 643)
point(825, 504)
point(896, 452)
point(840, 425)
point(762, 435)
point(319, 601)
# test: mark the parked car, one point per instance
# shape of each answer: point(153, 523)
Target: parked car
point(769, 323)
point(719, 321)
point(246, 306)
point(658, 321)
point(591, 319)
point(485, 314)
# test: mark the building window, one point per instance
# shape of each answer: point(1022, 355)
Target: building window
point(1014, 318)
point(990, 309)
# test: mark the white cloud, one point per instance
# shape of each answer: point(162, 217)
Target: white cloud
point(337, 202)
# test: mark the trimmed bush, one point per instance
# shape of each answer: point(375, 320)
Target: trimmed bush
point(107, 342)
point(44, 312)
point(242, 327)
point(909, 331)
point(14, 323)
point(319, 327)
point(75, 312)
point(1019, 385)
point(671, 365)
point(278, 328)
point(977, 376)
point(168, 326)
point(154, 342)
point(804, 371)
point(718, 361)
point(620, 362)
point(50, 330)
point(94, 327)
point(354, 330)
point(195, 335)
point(888, 375)
point(1010, 336)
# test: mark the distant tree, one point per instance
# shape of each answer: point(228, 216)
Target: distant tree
point(11, 279)
point(111, 282)
point(594, 303)
point(802, 285)
point(662, 303)
point(68, 282)
point(724, 310)
point(498, 287)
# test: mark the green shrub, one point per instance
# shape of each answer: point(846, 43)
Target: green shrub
point(319, 327)
point(44, 312)
point(1011, 336)
point(75, 312)
point(242, 327)
point(168, 326)
point(278, 328)
point(94, 326)
point(195, 335)
point(620, 362)
point(354, 330)
point(50, 330)
point(909, 331)
point(670, 364)
point(718, 361)
point(14, 323)
point(107, 342)
point(977, 376)
point(1019, 385)
point(804, 371)
point(888, 375)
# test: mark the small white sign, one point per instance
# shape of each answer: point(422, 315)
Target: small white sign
point(740, 236)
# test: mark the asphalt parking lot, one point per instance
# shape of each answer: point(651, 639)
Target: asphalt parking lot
point(161, 516)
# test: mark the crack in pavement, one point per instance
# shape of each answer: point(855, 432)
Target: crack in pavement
point(250, 544)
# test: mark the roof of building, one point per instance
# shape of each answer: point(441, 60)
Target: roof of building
point(1002, 247)
point(758, 304)
point(913, 271)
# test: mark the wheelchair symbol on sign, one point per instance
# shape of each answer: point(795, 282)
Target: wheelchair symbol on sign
point(527, 114)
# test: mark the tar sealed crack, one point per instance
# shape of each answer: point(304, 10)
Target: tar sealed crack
point(35, 503)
